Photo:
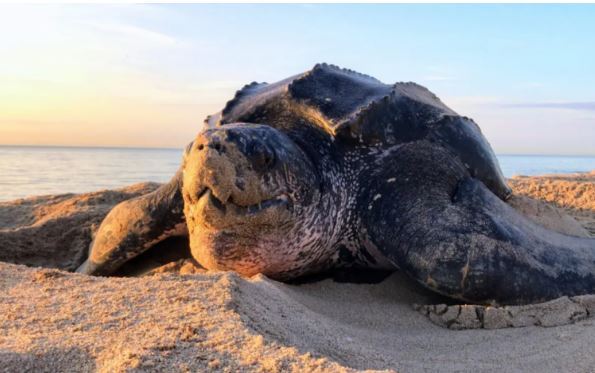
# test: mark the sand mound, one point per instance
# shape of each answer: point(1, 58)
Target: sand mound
point(54, 321)
point(550, 216)
point(57, 321)
point(574, 194)
point(55, 231)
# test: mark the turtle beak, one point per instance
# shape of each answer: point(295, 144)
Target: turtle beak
point(207, 167)
point(231, 165)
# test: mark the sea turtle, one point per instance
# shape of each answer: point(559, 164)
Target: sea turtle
point(332, 168)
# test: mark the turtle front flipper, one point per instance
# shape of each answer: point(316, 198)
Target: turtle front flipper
point(134, 226)
point(449, 232)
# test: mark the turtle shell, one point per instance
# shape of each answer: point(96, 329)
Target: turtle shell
point(359, 110)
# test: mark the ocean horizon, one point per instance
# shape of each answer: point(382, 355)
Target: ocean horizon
point(30, 170)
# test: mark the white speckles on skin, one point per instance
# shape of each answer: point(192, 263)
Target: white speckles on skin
point(377, 196)
point(303, 242)
point(391, 180)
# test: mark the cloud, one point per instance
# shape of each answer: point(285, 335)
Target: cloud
point(499, 102)
point(438, 78)
point(136, 32)
point(582, 106)
point(472, 100)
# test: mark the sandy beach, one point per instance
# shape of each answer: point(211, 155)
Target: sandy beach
point(296, 187)
point(180, 318)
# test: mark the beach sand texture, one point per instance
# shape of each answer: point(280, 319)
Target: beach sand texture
point(573, 193)
point(52, 320)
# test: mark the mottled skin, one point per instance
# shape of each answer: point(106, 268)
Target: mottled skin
point(332, 168)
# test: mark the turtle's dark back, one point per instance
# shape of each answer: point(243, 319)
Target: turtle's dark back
point(359, 110)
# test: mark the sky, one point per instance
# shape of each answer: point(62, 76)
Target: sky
point(147, 75)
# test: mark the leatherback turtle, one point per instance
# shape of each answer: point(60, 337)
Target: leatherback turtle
point(332, 168)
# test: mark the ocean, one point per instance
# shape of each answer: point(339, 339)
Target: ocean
point(37, 170)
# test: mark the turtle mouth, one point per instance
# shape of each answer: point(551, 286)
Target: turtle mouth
point(207, 198)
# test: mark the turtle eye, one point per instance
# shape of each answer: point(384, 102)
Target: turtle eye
point(269, 159)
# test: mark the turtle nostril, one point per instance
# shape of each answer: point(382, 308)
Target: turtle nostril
point(261, 155)
point(213, 143)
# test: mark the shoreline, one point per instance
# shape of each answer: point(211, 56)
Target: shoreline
point(58, 170)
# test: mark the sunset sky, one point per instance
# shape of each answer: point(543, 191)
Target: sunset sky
point(147, 75)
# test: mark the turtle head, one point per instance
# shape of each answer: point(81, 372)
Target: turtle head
point(249, 195)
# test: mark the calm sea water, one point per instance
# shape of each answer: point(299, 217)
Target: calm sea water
point(28, 170)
